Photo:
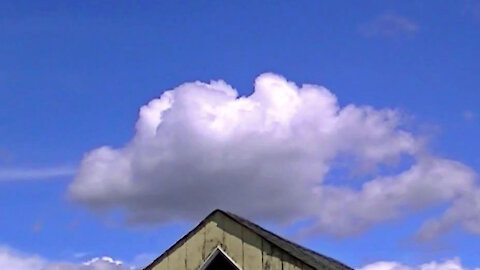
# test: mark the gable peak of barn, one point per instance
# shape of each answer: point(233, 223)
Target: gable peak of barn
point(221, 226)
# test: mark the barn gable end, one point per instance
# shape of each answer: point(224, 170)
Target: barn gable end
point(248, 245)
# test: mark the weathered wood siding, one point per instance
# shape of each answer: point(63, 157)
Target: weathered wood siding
point(247, 249)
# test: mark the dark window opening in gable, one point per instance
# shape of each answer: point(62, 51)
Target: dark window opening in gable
point(221, 262)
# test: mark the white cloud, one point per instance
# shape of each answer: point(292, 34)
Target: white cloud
point(14, 260)
point(472, 8)
point(468, 115)
point(10, 260)
point(453, 264)
point(465, 212)
point(428, 183)
point(389, 25)
point(18, 174)
point(201, 146)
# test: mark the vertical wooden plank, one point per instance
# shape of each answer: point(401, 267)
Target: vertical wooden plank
point(252, 250)
point(297, 264)
point(306, 267)
point(266, 255)
point(177, 259)
point(288, 262)
point(232, 243)
point(213, 234)
point(195, 252)
point(162, 265)
point(276, 259)
point(291, 263)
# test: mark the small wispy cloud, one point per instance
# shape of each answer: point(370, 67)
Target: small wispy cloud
point(37, 226)
point(452, 264)
point(24, 174)
point(15, 260)
point(468, 115)
point(80, 255)
point(389, 25)
point(472, 8)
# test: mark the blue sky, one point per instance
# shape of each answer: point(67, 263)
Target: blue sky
point(73, 76)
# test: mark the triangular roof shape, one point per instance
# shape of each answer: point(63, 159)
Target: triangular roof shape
point(218, 259)
point(307, 256)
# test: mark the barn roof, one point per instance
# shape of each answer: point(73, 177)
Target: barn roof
point(307, 256)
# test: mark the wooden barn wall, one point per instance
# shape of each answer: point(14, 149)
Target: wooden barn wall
point(247, 249)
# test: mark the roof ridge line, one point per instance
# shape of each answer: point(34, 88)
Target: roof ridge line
point(235, 217)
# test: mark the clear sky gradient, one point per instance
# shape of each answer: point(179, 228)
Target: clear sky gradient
point(73, 75)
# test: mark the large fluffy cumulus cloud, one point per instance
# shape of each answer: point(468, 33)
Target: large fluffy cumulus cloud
point(427, 183)
point(202, 146)
point(14, 260)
